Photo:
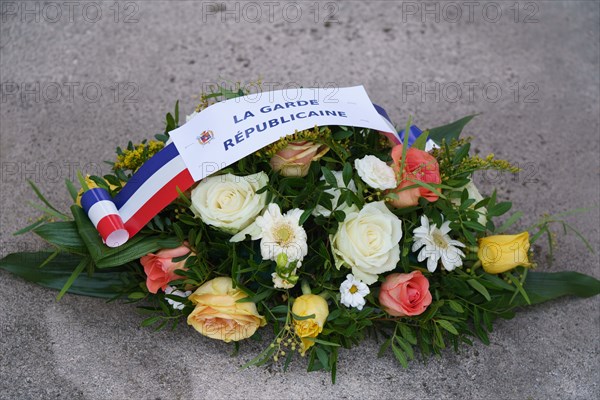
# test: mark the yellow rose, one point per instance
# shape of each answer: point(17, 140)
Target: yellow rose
point(309, 304)
point(219, 316)
point(501, 253)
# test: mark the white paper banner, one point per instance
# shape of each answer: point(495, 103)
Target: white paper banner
point(229, 131)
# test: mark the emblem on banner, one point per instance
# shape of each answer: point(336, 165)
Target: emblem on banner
point(205, 137)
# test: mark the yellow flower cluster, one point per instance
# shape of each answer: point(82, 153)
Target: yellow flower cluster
point(445, 155)
point(133, 159)
point(91, 185)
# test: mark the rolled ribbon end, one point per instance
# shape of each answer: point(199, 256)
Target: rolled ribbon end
point(117, 238)
point(103, 213)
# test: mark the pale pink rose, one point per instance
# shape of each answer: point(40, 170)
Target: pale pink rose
point(403, 295)
point(160, 268)
point(295, 158)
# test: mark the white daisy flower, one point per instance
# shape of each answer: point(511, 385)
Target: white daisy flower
point(282, 233)
point(353, 292)
point(175, 304)
point(435, 244)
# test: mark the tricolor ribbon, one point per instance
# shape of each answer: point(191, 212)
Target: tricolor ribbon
point(153, 187)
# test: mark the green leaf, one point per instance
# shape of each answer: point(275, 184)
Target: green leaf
point(88, 233)
point(407, 333)
point(400, 356)
point(63, 235)
point(307, 213)
point(384, 347)
point(450, 131)
point(329, 177)
point(43, 199)
point(455, 305)
point(347, 174)
point(499, 209)
point(447, 325)
point(72, 189)
point(421, 141)
point(322, 356)
point(509, 222)
point(47, 211)
point(519, 287)
point(480, 288)
point(408, 350)
point(78, 269)
point(136, 296)
point(30, 227)
point(56, 273)
point(321, 341)
point(546, 285)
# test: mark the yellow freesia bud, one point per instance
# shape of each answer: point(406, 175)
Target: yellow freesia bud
point(501, 253)
point(309, 304)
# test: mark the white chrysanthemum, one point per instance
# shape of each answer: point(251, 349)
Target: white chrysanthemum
point(436, 245)
point(335, 192)
point(353, 292)
point(375, 173)
point(170, 290)
point(282, 233)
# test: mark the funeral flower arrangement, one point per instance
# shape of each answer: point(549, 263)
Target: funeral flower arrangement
point(322, 238)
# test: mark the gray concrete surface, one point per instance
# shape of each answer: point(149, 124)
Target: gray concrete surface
point(83, 348)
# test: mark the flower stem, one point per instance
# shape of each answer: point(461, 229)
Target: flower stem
point(305, 287)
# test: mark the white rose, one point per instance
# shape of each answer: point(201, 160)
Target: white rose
point(335, 192)
point(474, 194)
point(368, 242)
point(375, 173)
point(229, 202)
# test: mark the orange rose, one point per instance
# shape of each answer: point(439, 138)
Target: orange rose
point(160, 268)
point(404, 295)
point(295, 158)
point(420, 166)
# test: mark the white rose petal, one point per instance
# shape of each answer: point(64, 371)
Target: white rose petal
point(368, 242)
point(375, 173)
point(229, 202)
